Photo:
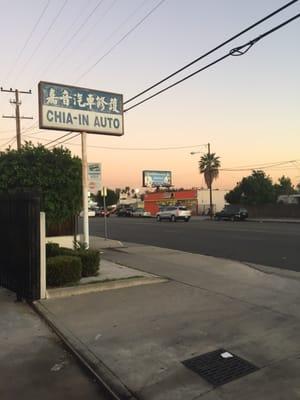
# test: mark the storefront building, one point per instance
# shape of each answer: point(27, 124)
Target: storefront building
point(153, 201)
point(196, 200)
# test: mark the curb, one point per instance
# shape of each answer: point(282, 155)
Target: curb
point(102, 286)
point(280, 272)
point(261, 221)
point(108, 381)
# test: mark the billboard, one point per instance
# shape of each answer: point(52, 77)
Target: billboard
point(157, 178)
point(94, 177)
point(72, 108)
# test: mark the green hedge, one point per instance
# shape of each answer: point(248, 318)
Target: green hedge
point(52, 250)
point(63, 270)
point(65, 251)
point(90, 259)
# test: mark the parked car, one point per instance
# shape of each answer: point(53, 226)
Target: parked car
point(140, 212)
point(174, 213)
point(232, 213)
point(124, 212)
point(100, 212)
point(91, 213)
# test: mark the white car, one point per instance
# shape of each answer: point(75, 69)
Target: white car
point(140, 212)
point(174, 213)
point(91, 213)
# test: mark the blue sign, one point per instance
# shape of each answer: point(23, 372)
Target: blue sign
point(157, 178)
point(73, 108)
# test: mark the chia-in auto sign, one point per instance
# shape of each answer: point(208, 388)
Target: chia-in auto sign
point(79, 109)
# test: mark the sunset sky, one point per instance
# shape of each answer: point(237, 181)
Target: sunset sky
point(246, 107)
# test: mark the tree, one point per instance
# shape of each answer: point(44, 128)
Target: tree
point(235, 196)
point(284, 186)
point(56, 173)
point(256, 188)
point(111, 198)
point(209, 165)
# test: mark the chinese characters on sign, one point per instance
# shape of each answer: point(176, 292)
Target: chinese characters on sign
point(79, 109)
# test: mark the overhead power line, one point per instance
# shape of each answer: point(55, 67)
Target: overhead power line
point(9, 143)
point(237, 51)
point(45, 34)
point(27, 40)
point(131, 148)
point(262, 165)
point(7, 131)
point(6, 138)
point(258, 166)
point(63, 141)
point(213, 50)
point(81, 26)
point(121, 40)
point(233, 52)
point(61, 137)
point(116, 29)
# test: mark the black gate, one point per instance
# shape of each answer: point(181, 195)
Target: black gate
point(20, 243)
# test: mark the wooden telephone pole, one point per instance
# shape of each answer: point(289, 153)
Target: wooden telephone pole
point(210, 183)
point(17, 116)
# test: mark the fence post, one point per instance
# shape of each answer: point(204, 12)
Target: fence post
point(43, 255)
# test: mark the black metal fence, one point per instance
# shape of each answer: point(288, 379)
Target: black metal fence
point(20, 243)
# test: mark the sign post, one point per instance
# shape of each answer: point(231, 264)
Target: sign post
point(104, 194)
point(86, 240)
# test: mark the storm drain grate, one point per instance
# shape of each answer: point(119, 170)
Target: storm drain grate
point(219, 367)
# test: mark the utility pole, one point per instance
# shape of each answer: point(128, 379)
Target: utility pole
point(210, 183)
point(17, 116)
point(86, 239)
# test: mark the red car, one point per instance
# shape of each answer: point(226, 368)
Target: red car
point(101, 213)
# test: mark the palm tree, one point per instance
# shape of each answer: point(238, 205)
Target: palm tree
point(209, 165)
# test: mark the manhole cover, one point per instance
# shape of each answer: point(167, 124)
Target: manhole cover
point(219, 367)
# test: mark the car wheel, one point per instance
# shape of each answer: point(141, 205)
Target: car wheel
point(186, 219)
point(173, 218)
point(232, 219)
point(158, 219)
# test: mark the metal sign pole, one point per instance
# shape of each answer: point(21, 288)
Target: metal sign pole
point(105, 217)
point(85, 191)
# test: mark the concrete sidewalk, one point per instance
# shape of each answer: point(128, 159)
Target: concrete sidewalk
point(138, 337)
point(33, 362)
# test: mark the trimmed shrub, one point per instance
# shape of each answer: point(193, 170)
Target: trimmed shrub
point(62, 270)
point(90, 260)
point(65, 251)
point(52, 250)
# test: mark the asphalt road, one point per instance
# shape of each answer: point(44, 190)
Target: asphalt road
point(270, 244)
